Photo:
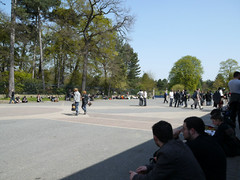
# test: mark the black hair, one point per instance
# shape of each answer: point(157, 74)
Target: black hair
point(163, 131)
point(195, 123)
point(216, 114)
point(236, 74)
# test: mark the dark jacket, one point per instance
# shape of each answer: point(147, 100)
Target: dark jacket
point(175, 161)
point(210, 156)
point(225, 136)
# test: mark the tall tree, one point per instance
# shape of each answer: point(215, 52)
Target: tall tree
point(91, 13)
point(11, 67)
point(227, 68)
point(131, 61)
point(147, 82)
point(38, 9)
point(186, 71)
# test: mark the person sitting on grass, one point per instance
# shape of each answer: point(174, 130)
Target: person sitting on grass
point(24, 100)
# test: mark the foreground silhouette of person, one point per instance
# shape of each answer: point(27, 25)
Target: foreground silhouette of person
point(174, 160)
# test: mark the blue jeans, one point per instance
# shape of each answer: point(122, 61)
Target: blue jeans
point(77, 104)
point(12, 99)
point(84, 108)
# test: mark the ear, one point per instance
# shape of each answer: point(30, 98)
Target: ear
point(192, 131)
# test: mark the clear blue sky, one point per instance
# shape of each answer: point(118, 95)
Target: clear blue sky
point(166, 30)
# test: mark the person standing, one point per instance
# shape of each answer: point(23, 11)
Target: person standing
point(77, 97)
point(171, 96)
point(185, 97)
point(12, 98)
point(234, 103)
point(177, 98)
point(84, 102)
point(140, 96)
point(145, 98)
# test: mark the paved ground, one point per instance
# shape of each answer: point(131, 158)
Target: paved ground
point(46, 141)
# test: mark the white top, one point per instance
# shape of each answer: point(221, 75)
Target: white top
point(171, 94)
point(144, 94)
point(77, 96)
point(234, 86)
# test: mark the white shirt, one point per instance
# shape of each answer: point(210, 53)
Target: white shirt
point(77, 96)
point(171, 95)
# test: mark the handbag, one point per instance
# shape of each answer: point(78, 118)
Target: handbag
point(73, 107)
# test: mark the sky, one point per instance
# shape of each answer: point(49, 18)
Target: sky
point(167, 30)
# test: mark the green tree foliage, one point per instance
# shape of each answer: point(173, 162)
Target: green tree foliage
point(219, 82)
point(186, 71)
point(131, 62)
point(147, 83)
point(227, 68)
point(162, 84)
point(178, 87)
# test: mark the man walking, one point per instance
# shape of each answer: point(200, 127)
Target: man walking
point(77, 97)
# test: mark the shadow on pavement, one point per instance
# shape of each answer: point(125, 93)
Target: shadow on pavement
point(117, 167)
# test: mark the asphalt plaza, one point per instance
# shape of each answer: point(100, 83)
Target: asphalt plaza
point(47, 141)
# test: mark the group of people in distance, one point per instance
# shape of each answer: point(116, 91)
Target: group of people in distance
point(77, 98)
point(202, 156)
point(142, 95)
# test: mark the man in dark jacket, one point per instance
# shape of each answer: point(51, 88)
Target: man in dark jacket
point(207, 151)
point(174, 160)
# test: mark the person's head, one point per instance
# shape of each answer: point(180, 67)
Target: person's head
point(236, 74)
point(216, 117)
point(84, 92)
point(75, 89)
point(162, 132)
point(193, 127)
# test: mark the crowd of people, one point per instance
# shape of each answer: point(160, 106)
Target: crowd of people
point(202, 156)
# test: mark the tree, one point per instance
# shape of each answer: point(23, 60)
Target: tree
point(147, 82)
point(90, 14)
point(219, 82)
point(186, 71)
point(162, 84)
point(227, 68)
point(36, 10)
point(131, 61)
point(11, 67)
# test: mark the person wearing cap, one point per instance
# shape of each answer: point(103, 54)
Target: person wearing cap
point(77, 97)
point(225, 134)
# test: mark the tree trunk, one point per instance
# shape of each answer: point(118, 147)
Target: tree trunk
point(40, 47)
point(85, 62)
point(11, 63)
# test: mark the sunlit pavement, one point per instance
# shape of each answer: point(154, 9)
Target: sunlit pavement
point(47, 141)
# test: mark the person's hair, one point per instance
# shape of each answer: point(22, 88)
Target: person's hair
point(216, 114)
point(84, 92)
point(163, 131)
point(75, 89)
point(195, 123)
point(236, 74)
